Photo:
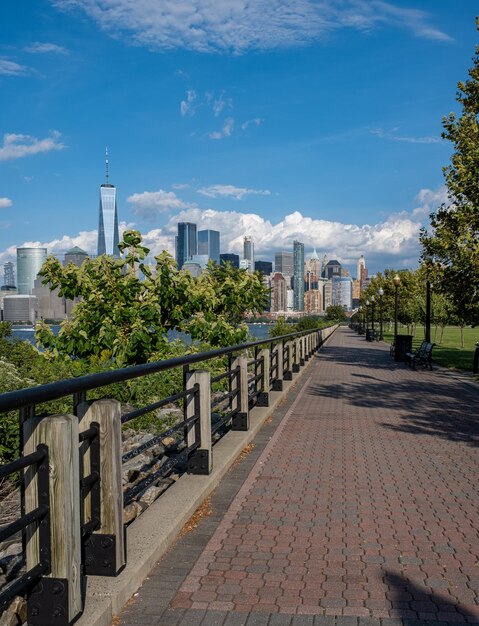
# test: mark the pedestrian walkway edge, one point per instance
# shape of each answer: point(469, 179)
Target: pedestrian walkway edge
point(154, 532)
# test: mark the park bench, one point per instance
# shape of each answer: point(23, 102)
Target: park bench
point(421, 356)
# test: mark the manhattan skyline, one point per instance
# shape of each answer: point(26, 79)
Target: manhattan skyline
point(322, 125)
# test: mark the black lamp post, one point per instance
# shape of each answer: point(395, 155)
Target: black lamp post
point(372, 315)
point(397, 282)
point(367, 319)
point(360, 319)
point(381, 293)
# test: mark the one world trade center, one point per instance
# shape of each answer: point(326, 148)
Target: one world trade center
point(108, 238)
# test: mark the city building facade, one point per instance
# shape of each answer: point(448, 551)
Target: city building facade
point(29, 263)
point(283, 262)
point(263, 267)
point(209, 244)
point(298, 275)
point(186, 245)
point(248, 253)
point(230, 258)
point(9, 274)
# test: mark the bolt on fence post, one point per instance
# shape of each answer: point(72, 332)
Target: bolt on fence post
point(240, 401)
point(263, 398)
point(60, 434)
point(105, 549)
point(199, 403)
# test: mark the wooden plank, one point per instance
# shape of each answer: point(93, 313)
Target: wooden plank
point(106, 413)
point(60, 434)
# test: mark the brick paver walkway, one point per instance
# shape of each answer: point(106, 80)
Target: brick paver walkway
point(359, 505)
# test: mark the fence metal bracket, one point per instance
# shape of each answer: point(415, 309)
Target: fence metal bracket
point(296, 367)
point(287, 375)
point(277, 385)
point(263, 399)
point(47, 603)
point(239, 421)
point(198, 463)
point(100, 555)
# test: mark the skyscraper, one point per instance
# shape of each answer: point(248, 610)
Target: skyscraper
point(29, 263)
point(108, 237)
point(209, 244)
point(186, 243)
point(8, 275)
point(298, 274)
point(283, 262)
point(76, 256)
point(230, 258)
point(263, 267)
point(248, 253)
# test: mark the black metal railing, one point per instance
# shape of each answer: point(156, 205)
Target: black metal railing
point(266, 364)
point(38, 516)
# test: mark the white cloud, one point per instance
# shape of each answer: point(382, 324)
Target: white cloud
point(180, 185)
point(10, 68)
point(220, 103)
point(18, 146)
point(257, 121)
point(150, 203)
point(45, 48)
point(187, 107)
point(231, 191)
point(382, 134)
point(226, 130)
point(234, 26)
point(5, 203)
point(392, 242)
point(430, 200)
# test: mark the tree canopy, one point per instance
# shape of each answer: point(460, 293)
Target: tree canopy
point(123, 317)
point(451, 245)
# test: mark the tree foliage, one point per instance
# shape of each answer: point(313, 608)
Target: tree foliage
point(124, 318)
point(335, 312)
point(452, 243)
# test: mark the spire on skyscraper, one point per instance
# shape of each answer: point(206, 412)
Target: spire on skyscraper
point(106, 163)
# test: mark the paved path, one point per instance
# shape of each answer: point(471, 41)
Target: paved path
point(358, 505)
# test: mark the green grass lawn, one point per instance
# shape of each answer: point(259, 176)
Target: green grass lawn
point(447, 352)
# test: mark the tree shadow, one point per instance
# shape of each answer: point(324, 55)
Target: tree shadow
point(425, 403)
point(417, 605)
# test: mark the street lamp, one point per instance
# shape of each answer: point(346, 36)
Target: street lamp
point(381, 294)
point(360, 319)
point(397, 282)
point(372, 315)
point(367, 320)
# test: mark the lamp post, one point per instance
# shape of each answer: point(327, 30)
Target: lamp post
point(372, 316)
point(360, 319)
point(367, 320)
point(397, 282)
point(381, 293)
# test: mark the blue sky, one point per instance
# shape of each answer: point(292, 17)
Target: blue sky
point(279, 119)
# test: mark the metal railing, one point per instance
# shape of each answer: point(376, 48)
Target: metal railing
point(91, 490)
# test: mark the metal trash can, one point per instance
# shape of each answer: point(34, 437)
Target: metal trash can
point(403, 345)
point(475, 364)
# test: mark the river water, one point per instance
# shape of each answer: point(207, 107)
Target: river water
point(256, 332)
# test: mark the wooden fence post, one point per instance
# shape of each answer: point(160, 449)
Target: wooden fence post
point(288, 371)
point(201, 460)
point(278, 381)
point(60, 434)
point(241, 401)
point(105, 549)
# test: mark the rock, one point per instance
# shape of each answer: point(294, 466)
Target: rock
point(13, 548)
point(168, 441)
point(130, 512)
point(127, 434)
point(150, 495)
point(132, 468)
point(156, 451)
point(14, 566)
point(15, 614)
point(169, 413)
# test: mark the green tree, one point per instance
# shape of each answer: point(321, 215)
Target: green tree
point(452, 243)
point(335, 312)
point(125, 319)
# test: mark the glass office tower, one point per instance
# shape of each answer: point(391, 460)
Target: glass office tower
point(248, 253)
point(209, 243)
point(186, 242)
point(298, 269)
point(29, 263)
point(108, 237)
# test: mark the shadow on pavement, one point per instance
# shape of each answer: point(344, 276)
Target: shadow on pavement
point(428, 607)
point(425, 403)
